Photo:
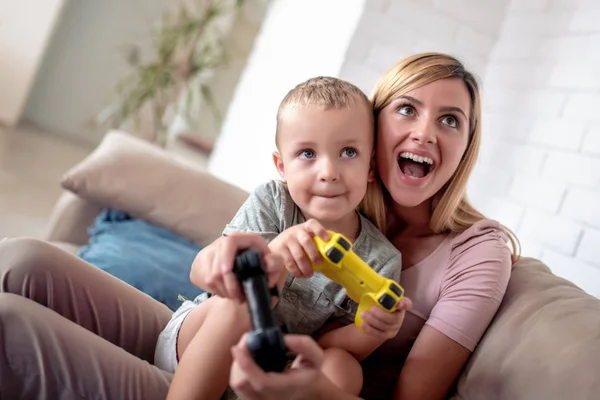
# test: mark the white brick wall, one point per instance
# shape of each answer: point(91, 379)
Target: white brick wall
point(542, 80)
point(591, 142)
point(589, 250)
point(539, 169)
point(395, 29)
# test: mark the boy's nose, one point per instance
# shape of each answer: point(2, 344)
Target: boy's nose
point(328, 172)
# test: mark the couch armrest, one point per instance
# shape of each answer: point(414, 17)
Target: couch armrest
point(544, 342)
point(71, 218)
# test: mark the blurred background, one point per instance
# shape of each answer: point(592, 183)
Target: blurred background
point(71, 70)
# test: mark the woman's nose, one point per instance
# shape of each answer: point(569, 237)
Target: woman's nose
point(424, 132)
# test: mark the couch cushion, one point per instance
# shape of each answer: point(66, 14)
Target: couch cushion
point(134, 176)
point(544, 342)
point(149, 258)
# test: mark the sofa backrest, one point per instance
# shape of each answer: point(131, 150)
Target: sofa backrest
point(544, 342)
point(144, 181)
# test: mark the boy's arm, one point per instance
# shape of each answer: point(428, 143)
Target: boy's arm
point(349, 338)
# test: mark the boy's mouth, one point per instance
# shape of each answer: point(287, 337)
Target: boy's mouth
point(414, 166)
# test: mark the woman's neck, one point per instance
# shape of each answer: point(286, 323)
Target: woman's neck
point(413, 221)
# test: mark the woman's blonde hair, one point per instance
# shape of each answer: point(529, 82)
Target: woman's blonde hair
point(373, 204)
point(452, 212)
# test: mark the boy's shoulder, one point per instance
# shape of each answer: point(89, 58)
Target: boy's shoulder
point(273, 191)
point(273, 187)
point(376, 250)
point(269, 210)
point(369, 233)
point(273, 197)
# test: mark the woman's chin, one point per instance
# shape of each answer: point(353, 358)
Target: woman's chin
point(408, 198)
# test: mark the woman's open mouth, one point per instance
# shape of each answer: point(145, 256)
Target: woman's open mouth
point(414, 166)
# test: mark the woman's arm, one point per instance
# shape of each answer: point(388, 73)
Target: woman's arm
point(433, 365)
point(471, 292)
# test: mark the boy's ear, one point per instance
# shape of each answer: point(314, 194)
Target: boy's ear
point(278, 161)
point(371, 176)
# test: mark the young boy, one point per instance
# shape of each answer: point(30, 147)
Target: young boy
point(325, 141)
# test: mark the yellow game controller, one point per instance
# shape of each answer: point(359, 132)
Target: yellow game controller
point(363, 285)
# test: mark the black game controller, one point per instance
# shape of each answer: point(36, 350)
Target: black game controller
point(265, 342)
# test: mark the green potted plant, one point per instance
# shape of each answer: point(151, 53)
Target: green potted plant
point(187, 48)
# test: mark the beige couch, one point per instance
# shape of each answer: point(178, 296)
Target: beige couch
point(544, 343)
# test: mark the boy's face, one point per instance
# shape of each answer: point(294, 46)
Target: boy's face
point(325, 157)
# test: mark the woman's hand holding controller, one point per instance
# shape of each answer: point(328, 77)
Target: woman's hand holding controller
point(299, 382)
point(212, 270)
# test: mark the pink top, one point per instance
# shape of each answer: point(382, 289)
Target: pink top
point(457, 290)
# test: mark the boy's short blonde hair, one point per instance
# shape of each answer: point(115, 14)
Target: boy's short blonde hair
point(326, 92)
point(334, 93)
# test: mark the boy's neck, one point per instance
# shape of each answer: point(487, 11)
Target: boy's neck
point(348, 226)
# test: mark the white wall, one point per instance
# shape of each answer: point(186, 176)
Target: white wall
point(390, 30)
point(298, 40)
point(538, 62)
point(84, 62)
point(540, 166)
point(25, 30)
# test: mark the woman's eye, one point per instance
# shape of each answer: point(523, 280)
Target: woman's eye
point(307, 154)
point(450, 121)
point(407, 110)
point(349, 152)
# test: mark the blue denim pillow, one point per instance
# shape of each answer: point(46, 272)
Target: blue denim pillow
point(151, 259)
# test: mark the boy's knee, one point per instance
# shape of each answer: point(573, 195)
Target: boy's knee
point(231, 310)
point(340, 357)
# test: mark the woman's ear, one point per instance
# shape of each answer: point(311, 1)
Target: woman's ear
point(278, 161)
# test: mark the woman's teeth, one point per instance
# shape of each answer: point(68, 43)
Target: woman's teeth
point(416, 158)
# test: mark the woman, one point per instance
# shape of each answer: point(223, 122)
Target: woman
point(456, 267)
point(456, 264)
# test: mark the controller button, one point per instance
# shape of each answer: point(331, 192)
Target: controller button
point(387, 301)
point(396, 289)
point(334, 255)
point(344, 243)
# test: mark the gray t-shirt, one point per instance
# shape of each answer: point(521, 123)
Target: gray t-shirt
point(306, 304)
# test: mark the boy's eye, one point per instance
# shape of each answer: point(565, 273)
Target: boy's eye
point(450, 120)
point(349, 152)
point(307, 154)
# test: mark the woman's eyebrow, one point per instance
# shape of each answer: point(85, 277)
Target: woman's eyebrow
point(456, 109)
point(443, 109)
point(411, 99)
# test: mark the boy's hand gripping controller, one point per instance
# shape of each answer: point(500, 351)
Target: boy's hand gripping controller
point(265, 342)
point(363, 285)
